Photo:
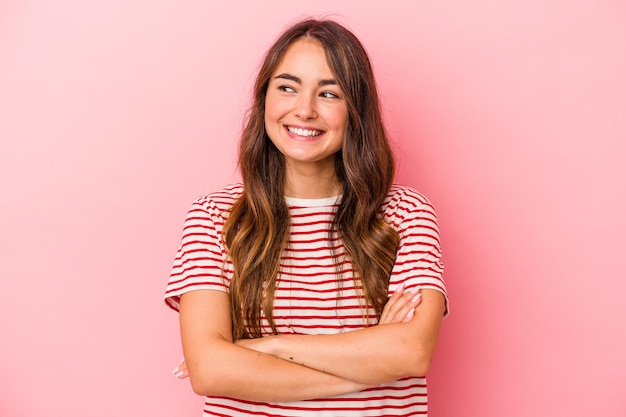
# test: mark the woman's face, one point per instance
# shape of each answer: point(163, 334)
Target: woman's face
point(305, 110)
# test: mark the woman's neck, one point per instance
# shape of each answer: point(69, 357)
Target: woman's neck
point(301, 183)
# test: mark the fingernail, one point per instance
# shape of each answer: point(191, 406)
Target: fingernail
point(417, 297)
point(179, 374)
point(400, 288)
point(410, 314)
point(175, 370)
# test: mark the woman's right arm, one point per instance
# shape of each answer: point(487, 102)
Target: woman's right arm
point(218, 367)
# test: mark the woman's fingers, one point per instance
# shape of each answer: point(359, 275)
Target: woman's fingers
point(415, 302)
point(401, 306)
point(180, 371)
point(391, 305)
point(407, 312)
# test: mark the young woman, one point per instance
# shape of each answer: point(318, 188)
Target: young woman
point(315, 287)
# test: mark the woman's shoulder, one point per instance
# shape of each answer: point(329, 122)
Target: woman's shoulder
point(404, 194)
point(405, 205)
point(226, 193)
point(222, 199)
point(404, 202)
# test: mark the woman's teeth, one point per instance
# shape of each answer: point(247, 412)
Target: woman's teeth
point(303, 132)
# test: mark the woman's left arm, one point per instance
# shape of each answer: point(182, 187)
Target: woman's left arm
point(378, 354)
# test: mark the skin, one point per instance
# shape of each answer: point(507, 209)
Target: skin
point(302, 95)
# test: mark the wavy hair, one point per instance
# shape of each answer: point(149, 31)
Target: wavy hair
point(257, 229)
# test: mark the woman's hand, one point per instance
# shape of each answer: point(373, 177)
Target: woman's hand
point(181, 371)
point(401, 306)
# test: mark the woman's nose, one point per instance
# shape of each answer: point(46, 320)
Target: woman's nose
point(305, 107)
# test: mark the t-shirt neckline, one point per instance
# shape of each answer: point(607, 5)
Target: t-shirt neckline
point(312, 202)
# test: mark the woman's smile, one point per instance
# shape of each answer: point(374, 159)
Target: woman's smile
point(303, 133)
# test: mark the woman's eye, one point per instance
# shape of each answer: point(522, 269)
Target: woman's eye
point(286, 89)
point(328, 94)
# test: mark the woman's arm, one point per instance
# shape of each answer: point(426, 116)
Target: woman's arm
point(219, 367)
point(373, 355)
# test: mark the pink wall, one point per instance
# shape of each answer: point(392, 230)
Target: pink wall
point(510, 116)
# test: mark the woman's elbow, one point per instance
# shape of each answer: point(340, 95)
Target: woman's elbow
point(422, 367)
point(201, 386)
point(207, 383)
point(418, 363)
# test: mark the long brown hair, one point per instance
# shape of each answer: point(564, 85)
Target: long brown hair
point(257, 229)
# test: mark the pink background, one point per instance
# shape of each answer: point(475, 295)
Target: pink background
point(510, 116)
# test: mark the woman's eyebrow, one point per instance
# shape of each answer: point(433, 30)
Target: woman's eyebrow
point(295, 79)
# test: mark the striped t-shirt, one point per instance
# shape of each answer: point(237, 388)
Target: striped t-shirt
point(314, 295)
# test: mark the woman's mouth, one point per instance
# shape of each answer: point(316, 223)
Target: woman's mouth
point(306, 133)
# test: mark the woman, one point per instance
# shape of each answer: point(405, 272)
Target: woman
point(283, 282)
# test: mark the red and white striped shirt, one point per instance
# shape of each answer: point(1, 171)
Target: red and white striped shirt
point(313, 296)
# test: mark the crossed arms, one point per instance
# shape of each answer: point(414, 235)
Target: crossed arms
point(297, 367)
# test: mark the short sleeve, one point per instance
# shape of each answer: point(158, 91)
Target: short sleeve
point(418, 260)
point(200, 260)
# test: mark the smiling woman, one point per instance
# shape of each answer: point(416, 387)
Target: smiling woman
point(305, 117)
point(316, 285)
